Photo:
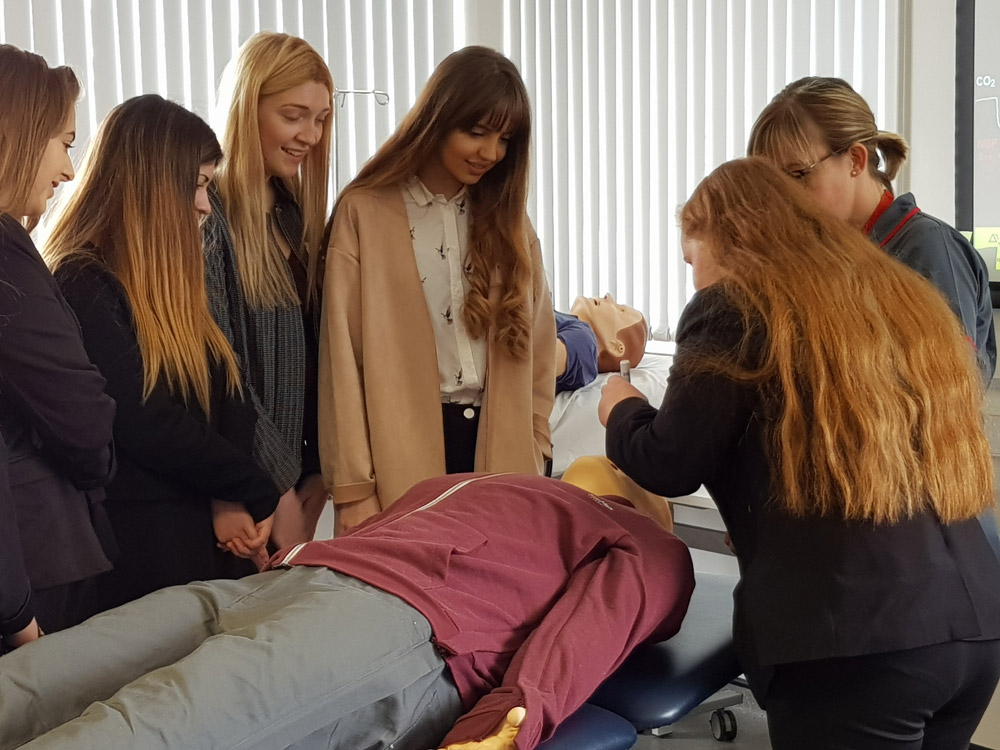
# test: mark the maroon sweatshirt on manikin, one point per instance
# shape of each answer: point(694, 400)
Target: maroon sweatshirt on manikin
point(535, 590)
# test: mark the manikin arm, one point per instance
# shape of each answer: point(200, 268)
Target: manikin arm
point(610, 605)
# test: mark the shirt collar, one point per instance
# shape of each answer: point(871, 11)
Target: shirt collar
point(892, 216)
point(424, 197)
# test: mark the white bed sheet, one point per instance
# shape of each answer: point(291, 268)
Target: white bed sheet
point(576, 431)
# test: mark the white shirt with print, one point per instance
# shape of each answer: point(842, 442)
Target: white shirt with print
point(439, 228)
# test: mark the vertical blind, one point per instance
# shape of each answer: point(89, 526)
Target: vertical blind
point(634, 100)
point(637, 100)
point(179, 48)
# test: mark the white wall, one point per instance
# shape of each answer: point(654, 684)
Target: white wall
point(929, 120)
point(484, 23)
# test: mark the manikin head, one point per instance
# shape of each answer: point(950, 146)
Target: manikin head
point(621, 330)
point(598, 476)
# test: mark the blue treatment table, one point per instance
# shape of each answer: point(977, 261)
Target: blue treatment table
point(661, 683)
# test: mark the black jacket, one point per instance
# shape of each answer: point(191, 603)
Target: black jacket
point(810, 588)
point(172, 459)
point(55, 418)
point(15, 600)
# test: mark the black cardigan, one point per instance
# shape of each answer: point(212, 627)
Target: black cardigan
point(811, 587)
point(172, 459)
point(56, 421)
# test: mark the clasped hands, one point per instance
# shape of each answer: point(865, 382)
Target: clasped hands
point(293, 521)
point(236, 531)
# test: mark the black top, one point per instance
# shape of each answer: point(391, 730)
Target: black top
point(811, 587)
point(55, 418)
point(15, 601)
point(172, 459)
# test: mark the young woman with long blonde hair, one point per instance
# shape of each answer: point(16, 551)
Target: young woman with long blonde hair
point(823, 133)
point(438, 339)
point(262, 246)
point(830, 404)
point(127, 253)
point(54, 415)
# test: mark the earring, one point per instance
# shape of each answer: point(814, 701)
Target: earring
point(854, 173)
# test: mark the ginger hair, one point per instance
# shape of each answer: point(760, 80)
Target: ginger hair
point(871, 386)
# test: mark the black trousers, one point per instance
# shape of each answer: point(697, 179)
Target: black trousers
point(929, 698)
point(461, 426)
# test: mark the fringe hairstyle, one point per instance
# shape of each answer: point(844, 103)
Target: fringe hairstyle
point(38, 101)
point(133, 211)
point(827, 108)
point(270, 63)
point(475, 86)
point(875, 390)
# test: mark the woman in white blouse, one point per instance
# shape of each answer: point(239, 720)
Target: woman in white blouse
point(437, 341)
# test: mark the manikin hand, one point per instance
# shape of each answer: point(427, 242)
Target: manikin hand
point(502, 739)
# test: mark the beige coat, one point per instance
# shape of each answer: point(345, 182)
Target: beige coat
point(380, 424)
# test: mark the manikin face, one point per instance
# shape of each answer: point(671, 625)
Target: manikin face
point(704, 268)
point(201, 204)
point(291, 123)
point(55, 167)
point(466, 155)
point(609, 319)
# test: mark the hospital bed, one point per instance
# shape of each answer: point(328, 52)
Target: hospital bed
point(661, 683)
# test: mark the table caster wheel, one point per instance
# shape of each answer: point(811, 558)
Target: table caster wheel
point(723, 723)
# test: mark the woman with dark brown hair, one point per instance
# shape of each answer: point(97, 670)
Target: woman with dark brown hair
point(830, 404)
point(437, 350)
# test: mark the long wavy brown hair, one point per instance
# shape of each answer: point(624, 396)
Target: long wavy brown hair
point(133, 211)
point(873, 386)
point(37, 102)
point(473, 86)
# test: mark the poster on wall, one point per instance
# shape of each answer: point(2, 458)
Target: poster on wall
point(978, 130)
